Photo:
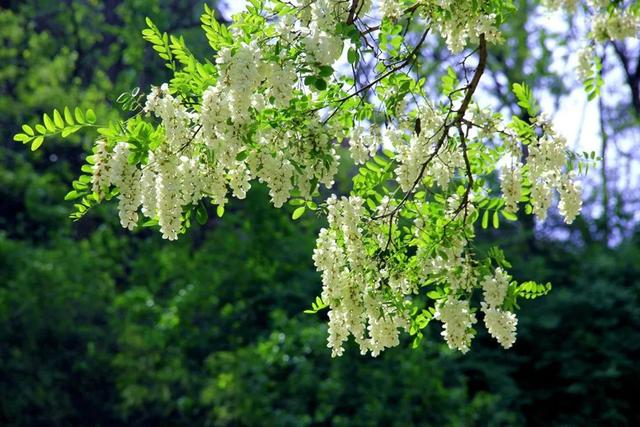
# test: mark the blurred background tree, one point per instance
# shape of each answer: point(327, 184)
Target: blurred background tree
point(99, 326)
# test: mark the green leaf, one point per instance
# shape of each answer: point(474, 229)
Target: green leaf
point(496, 219)
point(68, 117)
point(525, 98)
point(201, 214)
point(242, 155)
point(48, 123)
point(150, 223)
point(90, 116)
point(69, 130)
point(21, 137)
point(325, 71)
point(72, 195)
point(298, 212)
point(509, 216)
point(320, 84)
point(435, 294)
point(57, 119)
point(220, 211)
point(485, 219)
point(532, 290)
point(316, 306)
point(79, 115)
point(27, 129)
point(352, 55)
point(37, 142)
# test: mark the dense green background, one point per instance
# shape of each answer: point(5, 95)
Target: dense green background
point(99, 326)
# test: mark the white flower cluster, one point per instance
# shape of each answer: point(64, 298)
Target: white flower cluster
point(511, 186)
point(495, 288)
point(353, 288)
point(173, 176)
point(452, 264)
point(458, 320)
point(608, 20)
point(176, 120)
point(584, 69)
point(568, 5)
point(362, 144)
point(126, 177)
point(100, 179)
point(615, 25)
point(317, 27)
point(461, 22)
point(390, 9)
point(500, 323)
point(423, 147)
point(547, 157)
point(570, 198)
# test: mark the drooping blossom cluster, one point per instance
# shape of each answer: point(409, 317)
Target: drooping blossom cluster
point(271, 112)
point(204, 152)
point(427, 145)
point(584, 68)
point(570, 197)
point(545, 169)
point(546, 161)
point(353, 286)
point(458, 320)
point(100, 179)
point(317, 25)
point(607, 21)
point(461, 22)
point(615, 24)
point(511, 185)
point(500, 323)
point(126, 177)
point(363, 144)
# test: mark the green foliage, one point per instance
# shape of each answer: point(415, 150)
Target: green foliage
point(217, 34)
point(56, 125)
point(532, 290)
point(593, 83)
point(160, 43)
point(526, 99)
point(298, 212)
point(316, 306)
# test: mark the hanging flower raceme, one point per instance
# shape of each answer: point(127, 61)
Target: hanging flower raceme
point(292, 89)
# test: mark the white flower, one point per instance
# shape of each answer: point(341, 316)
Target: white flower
point(351, 283)
point(148, 187)
point(570, 198)
point(584, 69)
point(390, 9)
point(501, 325)
point(169, 199)
point(322, 46)
point(100, 179)
point(457, 320)
point(362, 145)
point(495, 288)
point(126, 177)
point(511, 186)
